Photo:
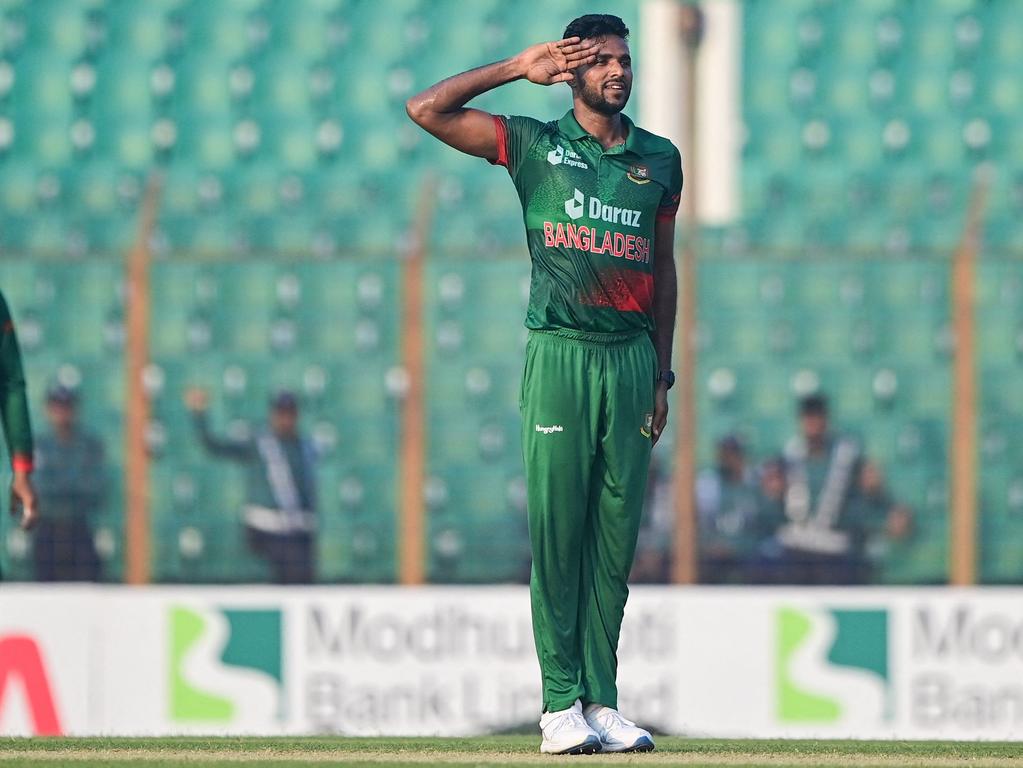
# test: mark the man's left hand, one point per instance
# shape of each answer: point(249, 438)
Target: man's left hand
point(660, 411)
point(23, 500)
point(899, 524)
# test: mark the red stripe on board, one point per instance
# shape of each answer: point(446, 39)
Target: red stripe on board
point(21, 666)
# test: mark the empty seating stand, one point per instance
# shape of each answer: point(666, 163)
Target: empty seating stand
point(289, 181)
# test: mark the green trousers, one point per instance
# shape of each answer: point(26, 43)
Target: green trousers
point(587, 403)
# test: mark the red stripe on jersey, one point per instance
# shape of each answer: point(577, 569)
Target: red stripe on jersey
point(502, 142)
point(21, 463)
point(668, 211)
point(627, 290)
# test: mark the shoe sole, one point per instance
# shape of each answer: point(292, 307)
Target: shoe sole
point(643, 745)
point(586, 748)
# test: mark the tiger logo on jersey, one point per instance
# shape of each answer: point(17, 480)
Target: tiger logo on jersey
point(648, 425)
point(639, 174)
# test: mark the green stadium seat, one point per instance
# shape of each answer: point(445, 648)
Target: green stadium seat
point(290, 183)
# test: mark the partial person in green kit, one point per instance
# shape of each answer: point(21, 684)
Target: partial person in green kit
point(17, 427)
point(599, 198)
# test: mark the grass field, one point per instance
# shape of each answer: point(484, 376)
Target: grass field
point(185, 752)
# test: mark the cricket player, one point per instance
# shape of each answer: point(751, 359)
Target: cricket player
point(14, 414)
point(599, 197)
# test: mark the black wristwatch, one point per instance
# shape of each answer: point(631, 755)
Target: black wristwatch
point(666, 376)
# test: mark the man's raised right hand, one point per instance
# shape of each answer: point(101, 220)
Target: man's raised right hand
point(553, 62)
point(441, 111)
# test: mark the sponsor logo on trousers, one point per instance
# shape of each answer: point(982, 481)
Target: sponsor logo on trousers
point(551, 428)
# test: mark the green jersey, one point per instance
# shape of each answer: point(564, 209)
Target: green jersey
point(13, 402)
point(589, 215)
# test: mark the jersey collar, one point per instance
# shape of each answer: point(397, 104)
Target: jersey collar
point(569, 127)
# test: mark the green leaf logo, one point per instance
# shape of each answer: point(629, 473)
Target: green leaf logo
point(225, 663)
point(831, 664)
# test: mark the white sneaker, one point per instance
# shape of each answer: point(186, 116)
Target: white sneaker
point(616, 733)
point(566, 733)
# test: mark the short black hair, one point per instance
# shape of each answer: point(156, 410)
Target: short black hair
point(59, 394)
point(284, 400)
point(732, 442)
point(815, 404)
point(596, 25)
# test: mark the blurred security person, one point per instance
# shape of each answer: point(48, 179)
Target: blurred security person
point(652, 563)
point(16, 424)
point(70, 476)
point(833, 503)
point(732, 519)
point(280, 509)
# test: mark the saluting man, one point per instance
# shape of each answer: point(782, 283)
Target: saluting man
point(599, 197)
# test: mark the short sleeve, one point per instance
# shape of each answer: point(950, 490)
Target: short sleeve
point(515, 135)
point(673, 192)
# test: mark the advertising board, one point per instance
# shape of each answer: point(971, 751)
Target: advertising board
point(729, 662)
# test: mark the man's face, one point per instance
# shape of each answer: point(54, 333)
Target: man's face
point(772, 481)
point(815, 426)
point(61, 416)
point(731, 459)
point(605, 85)
point(284, 421)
